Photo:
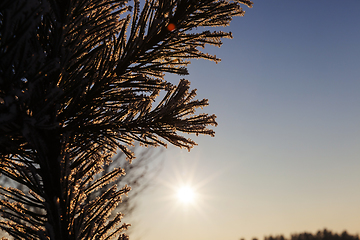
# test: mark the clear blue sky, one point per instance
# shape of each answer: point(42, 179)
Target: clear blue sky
point(286, 156)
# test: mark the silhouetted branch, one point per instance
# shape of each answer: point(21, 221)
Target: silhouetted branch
point(78, 81)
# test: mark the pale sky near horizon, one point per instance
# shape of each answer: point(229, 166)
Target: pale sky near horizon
point(286, 155)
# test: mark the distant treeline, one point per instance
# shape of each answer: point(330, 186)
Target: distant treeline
point(320, 235)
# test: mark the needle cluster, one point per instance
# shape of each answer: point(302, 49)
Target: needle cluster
point(80, 79)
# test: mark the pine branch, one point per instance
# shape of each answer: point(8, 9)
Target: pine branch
point(80, 80)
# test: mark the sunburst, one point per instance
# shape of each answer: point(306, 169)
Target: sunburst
point(186, 194)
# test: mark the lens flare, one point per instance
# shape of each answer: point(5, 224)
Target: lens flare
point(171, 27)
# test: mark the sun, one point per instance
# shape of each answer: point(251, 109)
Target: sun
point(186, 194)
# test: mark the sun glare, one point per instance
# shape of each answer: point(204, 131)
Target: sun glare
point(186, 194)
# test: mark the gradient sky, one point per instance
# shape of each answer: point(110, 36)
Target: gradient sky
point(286, 156)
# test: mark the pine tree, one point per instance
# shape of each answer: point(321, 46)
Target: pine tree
point(79, 80)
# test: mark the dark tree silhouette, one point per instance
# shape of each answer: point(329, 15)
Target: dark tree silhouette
point(78, 80)
point(320, 235)
point(139, 175)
